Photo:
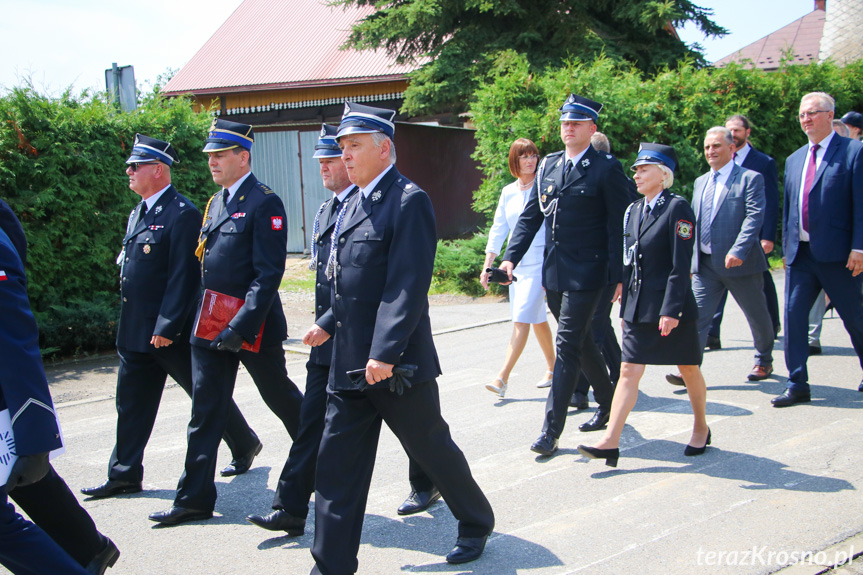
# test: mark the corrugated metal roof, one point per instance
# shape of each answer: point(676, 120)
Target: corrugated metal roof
point(803, 36)
point(279, 44)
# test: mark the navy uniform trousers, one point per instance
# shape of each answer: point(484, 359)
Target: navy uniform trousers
point(140, 382)
point(576, 353)
point(416, 420)
point(605, 339)
point(215, 373)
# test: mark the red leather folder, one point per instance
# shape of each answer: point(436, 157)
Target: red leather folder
point(216, 311)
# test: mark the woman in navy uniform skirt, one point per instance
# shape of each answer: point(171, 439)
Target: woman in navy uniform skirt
point(657, 306)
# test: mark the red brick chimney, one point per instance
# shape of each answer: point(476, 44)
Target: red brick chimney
point(821, 5)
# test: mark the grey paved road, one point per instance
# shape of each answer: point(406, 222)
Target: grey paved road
point(776, 482)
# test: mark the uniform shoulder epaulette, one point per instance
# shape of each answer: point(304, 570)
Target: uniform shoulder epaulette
point(555, 154)
point(265, 188)
point(407, 186)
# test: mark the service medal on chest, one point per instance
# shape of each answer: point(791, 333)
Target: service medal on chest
point(147, 248)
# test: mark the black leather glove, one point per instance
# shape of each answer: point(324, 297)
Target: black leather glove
point(228, 340)
point(398, 382)
point(28, 469)
point(498, 276)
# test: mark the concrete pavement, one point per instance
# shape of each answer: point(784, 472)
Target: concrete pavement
point(774, 485)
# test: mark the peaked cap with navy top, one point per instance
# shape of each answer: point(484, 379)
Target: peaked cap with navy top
point(227, 135)
point(327, 146)
point(360, 119)
point(579, 109)
point(146, 150)
point(651, 153)
point(853, 119)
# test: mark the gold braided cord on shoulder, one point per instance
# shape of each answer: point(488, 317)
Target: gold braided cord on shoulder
point(202, 241)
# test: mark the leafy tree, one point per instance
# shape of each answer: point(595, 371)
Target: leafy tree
point(458, 40)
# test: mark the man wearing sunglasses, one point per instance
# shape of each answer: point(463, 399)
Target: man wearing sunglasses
point(159, 287)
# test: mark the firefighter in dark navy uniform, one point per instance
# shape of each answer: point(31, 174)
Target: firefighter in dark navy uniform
point(657, 306)
point(25, 549)
point(159, 287)
point(581, 195)
point(242, 248)
point(385, 245)
point(297, 481)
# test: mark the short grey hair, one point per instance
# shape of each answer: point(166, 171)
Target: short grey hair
point(667, 176)
point(378, 138)
point(841, 129)
point(827, 101)
point(600, 142)
point(725, 132)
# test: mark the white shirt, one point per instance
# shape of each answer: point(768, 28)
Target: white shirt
point(509, 208)
point(236, 186)
point(741, 154)
point(721, 181)
point(576, 158)
point(151, 201)
point(819, 155)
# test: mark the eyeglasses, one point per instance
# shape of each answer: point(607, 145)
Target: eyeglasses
point(804, 115)
point(528, 157)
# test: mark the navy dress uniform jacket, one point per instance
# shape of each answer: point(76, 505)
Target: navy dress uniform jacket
point(23, 387)
point(656, 282)
point(322, 354)
point(592, 200)
point(386, 255)
point(9, 223)
point(245, 258)
point(160, 273)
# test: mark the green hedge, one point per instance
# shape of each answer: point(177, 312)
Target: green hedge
point(62, 169)
point(675, 106)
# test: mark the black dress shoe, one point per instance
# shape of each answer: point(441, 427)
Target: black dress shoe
point(466, 549)
point(689, 450)
point(789, 398)
point(280, 520)
point(419, 501)
point(609, 455)
point(579, 401)
point(713, 343)
point(103, 559)
point(814, 350)
point(545, 445)
point(112, 487)
point(675, 379)
point(242, 464)
point(177, 515)
point(598, 421)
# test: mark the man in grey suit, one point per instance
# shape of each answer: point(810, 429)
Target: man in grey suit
point(729, 207)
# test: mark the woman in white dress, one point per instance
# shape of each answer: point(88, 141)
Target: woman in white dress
point(526, 296)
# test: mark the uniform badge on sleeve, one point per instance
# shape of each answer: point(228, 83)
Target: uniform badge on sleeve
point(684, 229)
point(277, 223)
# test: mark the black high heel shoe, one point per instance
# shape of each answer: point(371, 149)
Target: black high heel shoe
point(609, 455)
point(690, 451)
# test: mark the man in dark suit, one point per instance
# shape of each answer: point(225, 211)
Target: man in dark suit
point(49, 502)
point(822, 224)
point(25, 549)
point(159, 287)
point(749, 158)
point(582, 195)
point(297, 481)
point(242, 251)
point(381, 275)
point(728, 202)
